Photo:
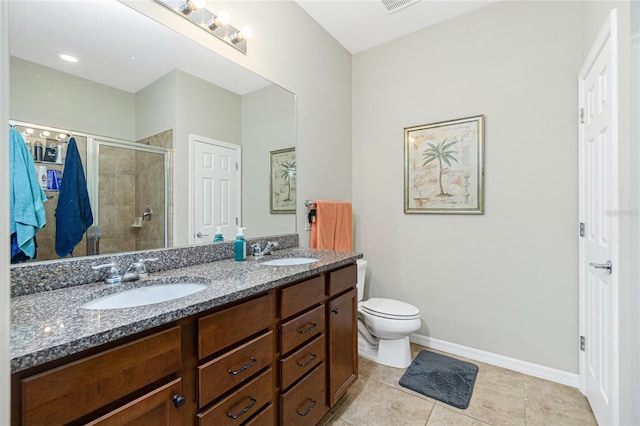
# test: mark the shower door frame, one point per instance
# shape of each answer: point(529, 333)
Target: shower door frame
point(93, 176)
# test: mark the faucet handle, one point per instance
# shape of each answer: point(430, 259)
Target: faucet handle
point(257, 249)
point(142, 266)
point(112, 275)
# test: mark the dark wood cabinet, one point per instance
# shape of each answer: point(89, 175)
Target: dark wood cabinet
point(158, 407)
point(343, 344)
point(281, 357)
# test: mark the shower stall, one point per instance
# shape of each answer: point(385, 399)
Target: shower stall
point(129, 186)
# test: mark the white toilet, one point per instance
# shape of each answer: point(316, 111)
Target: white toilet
point(384, 326)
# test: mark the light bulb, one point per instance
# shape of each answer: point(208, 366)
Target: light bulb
point(45, 134)
point(246, 32)
point(224, 17)
point(28, 131)
point(190, 5)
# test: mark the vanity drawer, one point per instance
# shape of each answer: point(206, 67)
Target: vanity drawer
point(234, 367)
point(302, 361)
point(242, 404)
point(298, 297)
point(302, 328)
point(264, 418)
point(342, 279)
point(229, 326)
point(76, 389)
point(305, 403)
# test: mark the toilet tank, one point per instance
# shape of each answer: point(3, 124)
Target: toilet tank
point(362, 270)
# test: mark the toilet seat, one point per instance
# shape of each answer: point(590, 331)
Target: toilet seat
point(390, 308)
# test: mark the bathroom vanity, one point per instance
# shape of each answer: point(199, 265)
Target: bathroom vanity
point(260, 345)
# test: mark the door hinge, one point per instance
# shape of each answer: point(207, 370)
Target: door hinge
point(581, 115)
point(582, 229)
point(237, 167)
point(236, 220)
point(582, 344)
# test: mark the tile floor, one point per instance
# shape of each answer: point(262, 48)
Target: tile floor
point(500, 397)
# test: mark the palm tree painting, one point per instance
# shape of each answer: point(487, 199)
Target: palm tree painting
point(444, 167)
point(288, 173)
point(440, 152)
point(282, 171)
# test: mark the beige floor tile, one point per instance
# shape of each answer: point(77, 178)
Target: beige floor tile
point(442, 416)
point(490, 374)
point(495, 404)
point(390, 376)
point(374, 403)
point(500, 397)
point(365, 367)
point(556, 413)
point(541, 389)
point(552, 403)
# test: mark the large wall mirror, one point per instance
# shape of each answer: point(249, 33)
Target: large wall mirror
point(139, 83)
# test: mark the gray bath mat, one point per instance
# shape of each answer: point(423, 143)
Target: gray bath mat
point(441, 377)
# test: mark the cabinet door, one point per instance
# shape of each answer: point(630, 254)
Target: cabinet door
point(155, 408)
point(343, 345)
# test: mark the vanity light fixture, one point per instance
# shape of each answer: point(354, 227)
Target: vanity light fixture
point(218, 24)
point(219, 20)
point(190, 5)
point(244, 34)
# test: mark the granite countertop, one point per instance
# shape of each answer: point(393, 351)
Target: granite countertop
point(50, 325)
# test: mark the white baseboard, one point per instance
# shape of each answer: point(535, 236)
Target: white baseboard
point(525, 367)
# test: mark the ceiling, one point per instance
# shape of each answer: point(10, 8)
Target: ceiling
point(128, 56)
point(362, 24)
point(138, 51)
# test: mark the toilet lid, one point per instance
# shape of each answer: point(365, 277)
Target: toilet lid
point(389, 308)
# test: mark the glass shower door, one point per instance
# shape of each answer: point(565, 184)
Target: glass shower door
point(131, 191)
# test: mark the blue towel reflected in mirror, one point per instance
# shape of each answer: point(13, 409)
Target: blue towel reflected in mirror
point(73, 214)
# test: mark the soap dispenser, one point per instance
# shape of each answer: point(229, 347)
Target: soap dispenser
point(240, 245)
point(218, 235)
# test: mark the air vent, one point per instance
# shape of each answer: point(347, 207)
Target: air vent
point(395, 5)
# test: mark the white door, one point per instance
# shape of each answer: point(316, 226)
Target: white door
point(215, 193)
point(598, 216)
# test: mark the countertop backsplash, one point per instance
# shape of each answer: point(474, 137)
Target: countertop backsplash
point(36, 277)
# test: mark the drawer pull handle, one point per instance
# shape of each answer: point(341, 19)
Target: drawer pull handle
point(308, 329)
point(307, 362)
point(244, 367)
point(311, 407)
point(335, 310)
point(178, 400)
point(244, 410)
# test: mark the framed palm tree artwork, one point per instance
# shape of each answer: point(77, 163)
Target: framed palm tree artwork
point(444, 167)
point(282, 171)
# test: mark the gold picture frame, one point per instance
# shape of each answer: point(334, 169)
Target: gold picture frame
point(444, 167)
point(282, 178)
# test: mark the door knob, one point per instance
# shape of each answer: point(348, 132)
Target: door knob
point(606, 266)
point(200, 235)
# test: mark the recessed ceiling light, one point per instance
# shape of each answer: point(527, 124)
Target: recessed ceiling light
point(68, 58)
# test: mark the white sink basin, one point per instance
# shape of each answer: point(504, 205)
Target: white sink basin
point(144, 296)
point(289, 261)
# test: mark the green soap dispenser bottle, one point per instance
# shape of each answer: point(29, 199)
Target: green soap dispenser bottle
point(218, 235)
point(240, 245)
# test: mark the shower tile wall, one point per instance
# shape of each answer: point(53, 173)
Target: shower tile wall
point(117, 199)
point(150, 192)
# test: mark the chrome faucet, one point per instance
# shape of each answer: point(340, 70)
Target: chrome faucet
point(268, 249)
point(135, 271)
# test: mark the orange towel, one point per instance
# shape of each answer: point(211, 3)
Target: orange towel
point(333, 228)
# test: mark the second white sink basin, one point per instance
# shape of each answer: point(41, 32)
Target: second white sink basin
point(289, 261)
point(144, 296)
